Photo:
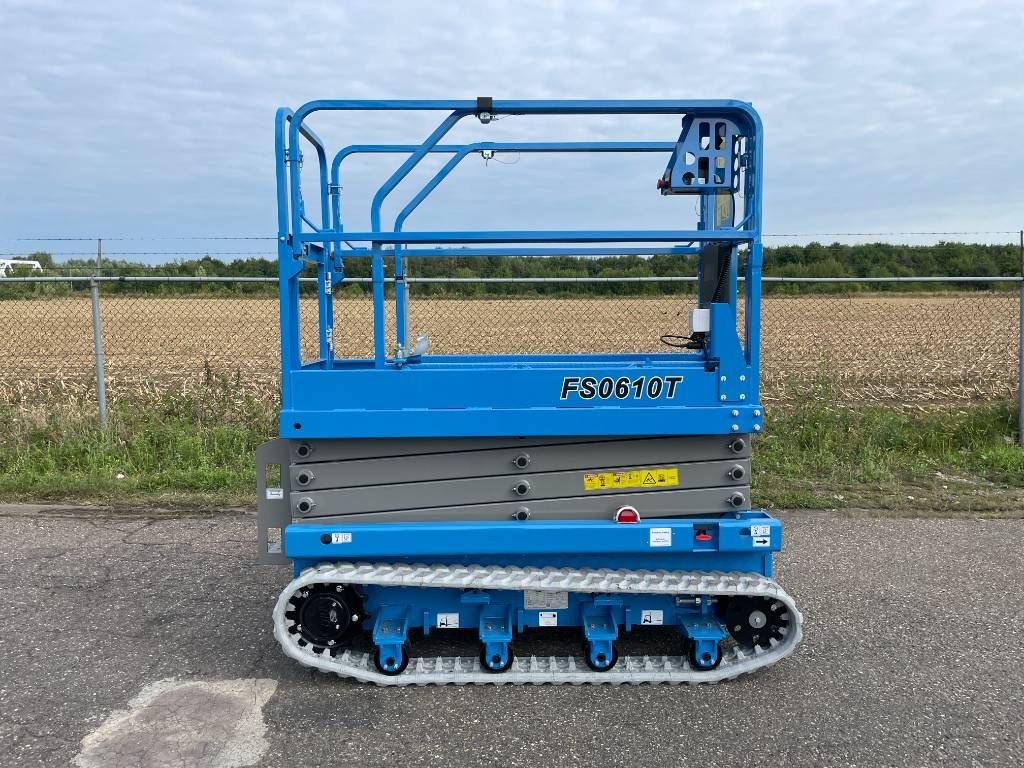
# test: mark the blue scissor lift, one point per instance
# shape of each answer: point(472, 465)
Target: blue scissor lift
point(505, 492)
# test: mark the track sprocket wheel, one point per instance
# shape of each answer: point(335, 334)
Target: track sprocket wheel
point(755, 621)
point(324, 616)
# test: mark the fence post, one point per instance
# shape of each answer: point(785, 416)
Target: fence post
point(1020, 349)
point(97, 339)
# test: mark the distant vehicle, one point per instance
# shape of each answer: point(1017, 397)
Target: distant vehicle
point(7, 266)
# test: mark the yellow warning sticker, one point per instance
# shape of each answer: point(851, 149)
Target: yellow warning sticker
point(648, 477)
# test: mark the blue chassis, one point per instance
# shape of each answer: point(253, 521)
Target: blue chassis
point(724, 544)
point(517, 395)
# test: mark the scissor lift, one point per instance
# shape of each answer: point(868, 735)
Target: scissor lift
point(505, 493)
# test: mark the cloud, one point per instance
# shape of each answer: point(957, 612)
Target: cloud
point(130, 118)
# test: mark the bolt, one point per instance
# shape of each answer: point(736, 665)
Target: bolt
point(522, 513)
point(757, 427)
point(721, 397)
point(742, 377)
point(521, 488)
point(735, 427)
point(734, 412)
point(742, 396)
point(723, 378)
point(757, 412)
point(522, 460)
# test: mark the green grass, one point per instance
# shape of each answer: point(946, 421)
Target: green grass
point(956, 461)
point(196, 451)
point(171, 450)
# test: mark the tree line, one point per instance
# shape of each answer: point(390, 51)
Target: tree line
point(871, 260)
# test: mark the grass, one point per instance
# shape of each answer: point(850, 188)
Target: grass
point(196, 451)
point(175, 449)
point(815, 455)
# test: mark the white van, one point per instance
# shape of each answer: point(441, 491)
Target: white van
point(7, 266)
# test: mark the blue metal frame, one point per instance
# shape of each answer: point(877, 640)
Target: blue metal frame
point(494, 395)
point(728, 544)
point(711, 391)
point(743, 543)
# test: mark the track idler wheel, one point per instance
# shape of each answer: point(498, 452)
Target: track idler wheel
point(755, 621)
point(325, 616)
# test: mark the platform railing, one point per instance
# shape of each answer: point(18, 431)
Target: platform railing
point(323, 244)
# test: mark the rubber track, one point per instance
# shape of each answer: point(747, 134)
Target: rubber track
point(465, 670)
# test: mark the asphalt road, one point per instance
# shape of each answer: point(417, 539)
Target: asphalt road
point(911, 657)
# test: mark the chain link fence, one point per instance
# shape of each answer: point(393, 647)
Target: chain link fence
point(910, 343)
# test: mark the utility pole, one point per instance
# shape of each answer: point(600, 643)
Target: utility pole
point(1020, 349)
point(97, 339)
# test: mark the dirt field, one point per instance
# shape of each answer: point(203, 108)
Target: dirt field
point(914, 350)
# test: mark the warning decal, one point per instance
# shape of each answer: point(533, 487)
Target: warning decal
point(648, 477)
point(547, 619)
point(761, 535)
point(652, 618)
point(661, 537)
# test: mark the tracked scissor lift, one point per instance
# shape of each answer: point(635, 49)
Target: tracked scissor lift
point(506, 494)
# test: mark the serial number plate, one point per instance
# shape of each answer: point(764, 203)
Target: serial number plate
point(536, 599)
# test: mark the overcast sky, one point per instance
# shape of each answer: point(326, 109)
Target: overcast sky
point(130, 118)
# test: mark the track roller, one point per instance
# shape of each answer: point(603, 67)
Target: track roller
point(496, 659)
point(703, 657)
point(391, 660)
point(600, 656)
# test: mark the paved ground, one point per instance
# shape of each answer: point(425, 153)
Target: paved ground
point(911, 658)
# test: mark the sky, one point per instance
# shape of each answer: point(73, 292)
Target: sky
point(129, 119)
